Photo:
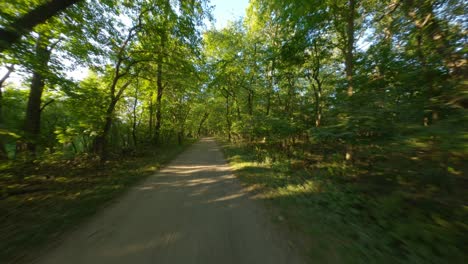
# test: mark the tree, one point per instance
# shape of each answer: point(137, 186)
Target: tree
point(10, 69)
point(123, 65)
point(18, 27)
point(40, 72)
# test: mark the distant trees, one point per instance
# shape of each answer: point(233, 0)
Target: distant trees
point(140, 51)
point(368, 93)
point(293, 53)
point(344, 75)
point(347, 72)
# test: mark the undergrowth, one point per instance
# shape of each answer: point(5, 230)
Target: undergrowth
point(355, 213)
point(42, 200)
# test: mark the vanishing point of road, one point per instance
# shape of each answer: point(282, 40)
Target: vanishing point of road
point(192, 211)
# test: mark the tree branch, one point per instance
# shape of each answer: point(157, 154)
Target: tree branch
point(10, 69)
point(122, 89)
point(46, 104)
point(11, 33)
point(394, 7)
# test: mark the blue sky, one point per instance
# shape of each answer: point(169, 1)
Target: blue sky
point(228, 10)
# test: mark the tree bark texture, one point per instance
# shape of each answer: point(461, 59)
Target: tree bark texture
point(32, 124)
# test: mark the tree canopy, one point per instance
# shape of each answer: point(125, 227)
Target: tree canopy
point(378, 87)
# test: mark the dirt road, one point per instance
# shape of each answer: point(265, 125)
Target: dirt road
point(192, 211)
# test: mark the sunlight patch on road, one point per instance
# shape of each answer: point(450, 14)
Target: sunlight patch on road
point(193, 169)
point(228, 197)
point(164, 240)
point(201, 181)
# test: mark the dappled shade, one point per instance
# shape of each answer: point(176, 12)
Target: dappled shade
point(347, 116)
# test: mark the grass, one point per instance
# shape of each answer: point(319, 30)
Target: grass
point(42, 201)
point(345, 217)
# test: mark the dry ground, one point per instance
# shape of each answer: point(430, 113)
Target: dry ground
point(192, 211)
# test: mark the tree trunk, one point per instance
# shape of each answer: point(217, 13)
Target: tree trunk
point(238, 111)
point(134, 136)
point(3, 152)
point(317, 86)
point(268, 104)
point(100, 142)
point(318, 108)
point(157, 128)
point(349, 62)
point(151, 113)
point(134, 117)
point(288, 103)
point(250, 101)
point(349, 56)
point(160, 87)
point(33, 111)
point(228, 120)
point(250, 90)
point(180, 136)
point(271, 83)
point(200, 126)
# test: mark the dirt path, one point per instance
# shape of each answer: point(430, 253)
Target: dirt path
point(193, 211)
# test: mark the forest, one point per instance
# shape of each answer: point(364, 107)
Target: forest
point(346, 115)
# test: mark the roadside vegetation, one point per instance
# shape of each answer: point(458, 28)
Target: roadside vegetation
point(94, 97)
point(343, 215)
point(42, 201)
point(350, 117)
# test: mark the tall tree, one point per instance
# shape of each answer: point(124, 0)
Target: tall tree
point(40, 73)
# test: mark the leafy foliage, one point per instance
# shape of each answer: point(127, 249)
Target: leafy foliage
point(359, 96)
point(353, 109)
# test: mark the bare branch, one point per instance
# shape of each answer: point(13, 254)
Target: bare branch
point(10, 69)
point(46, 104)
